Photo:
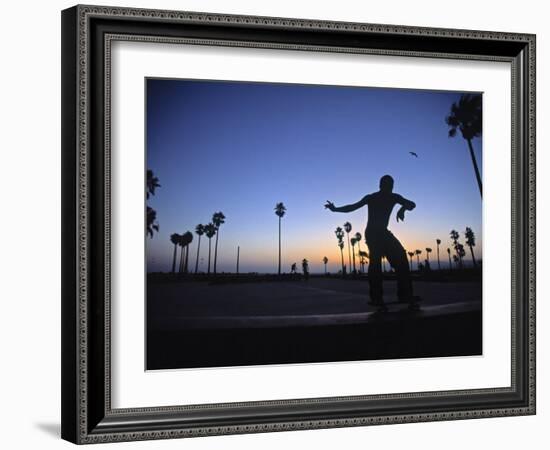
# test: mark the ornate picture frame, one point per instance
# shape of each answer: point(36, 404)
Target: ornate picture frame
point(87, 412)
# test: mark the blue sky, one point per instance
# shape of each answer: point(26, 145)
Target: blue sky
point(240, 148)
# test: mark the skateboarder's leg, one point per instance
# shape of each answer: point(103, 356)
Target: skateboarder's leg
point(397, 257)
point(375, 274)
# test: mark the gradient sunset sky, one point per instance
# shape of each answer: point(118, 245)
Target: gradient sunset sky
point(240, 148)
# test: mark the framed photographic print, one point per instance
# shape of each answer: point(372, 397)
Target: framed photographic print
point(279, 224)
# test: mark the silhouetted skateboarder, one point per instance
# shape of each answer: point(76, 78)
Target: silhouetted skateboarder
point(382, 242)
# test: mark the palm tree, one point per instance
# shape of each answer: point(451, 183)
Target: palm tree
point(449, 253)
point(341, 247)
point(358, 239)
point(471, 242)
point(438, 242)
point(152, 183)
point(364, 256)
point(347, 229)
point(428, 251)
point(353, 242)
point(340, 236)
point(186, 238)
point(280, 211)
point(454, 237)
point(456, 259)
point(209, 231)
point(418, 253)
point(199, 229)
point(181, 241)
point(461, 254)
point(411, 254)
point(466, 116)
point(325, 262)
point(174, 238)
point(152, 225)
point(217, 219)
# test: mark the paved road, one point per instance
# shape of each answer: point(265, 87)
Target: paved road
point(193, 324)
point(313, 298)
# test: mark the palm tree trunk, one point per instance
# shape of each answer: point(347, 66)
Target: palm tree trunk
point(198, 250)
point(349, 252)
point(474, 162)
point(342, 255)
point(325, 268)
point(417, 262)
point(438, 261)
point(174, 258)
point(216, 251)
point(473, 257)
point(354, 270)
point(359, 256)
point(180, 268)
point(209, 253)
point(279, 269)
point(186, 269)
point(450, 263)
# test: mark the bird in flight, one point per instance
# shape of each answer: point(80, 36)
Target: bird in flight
point(414, 154)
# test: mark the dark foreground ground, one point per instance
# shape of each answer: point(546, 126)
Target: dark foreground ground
point(199, 324)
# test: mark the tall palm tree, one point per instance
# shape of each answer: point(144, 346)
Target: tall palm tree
point(466, 116)
point(454, 237)
point(438, 242)
point(181, 243)
point(152, 183)
point(456, 245)
point(199, 229)
point(418, 253)
point(449, 253)
point(471, 242)
point(411, 254)
point(217, 219)
point(341, 247)
point(152, 224)
point(186, 238)
point(325, 262)
point(280, 210)
point(353, 241)
point(347, 229)
point(428, 251)
point(358, 238)
point(209, 231)
point(174, 239)
point(461, 254)
point(340, 237)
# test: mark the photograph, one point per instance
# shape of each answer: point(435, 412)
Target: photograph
point(300, 223)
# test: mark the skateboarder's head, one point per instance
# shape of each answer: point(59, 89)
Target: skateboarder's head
point(386, 183)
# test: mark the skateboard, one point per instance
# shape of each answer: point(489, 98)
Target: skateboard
point(412, 305)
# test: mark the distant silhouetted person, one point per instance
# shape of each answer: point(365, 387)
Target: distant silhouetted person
point(305, 268)
point(293, 268)
point(381, 241)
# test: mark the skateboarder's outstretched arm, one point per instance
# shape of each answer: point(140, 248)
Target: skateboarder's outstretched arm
point(406, 205)
point(348, 208)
